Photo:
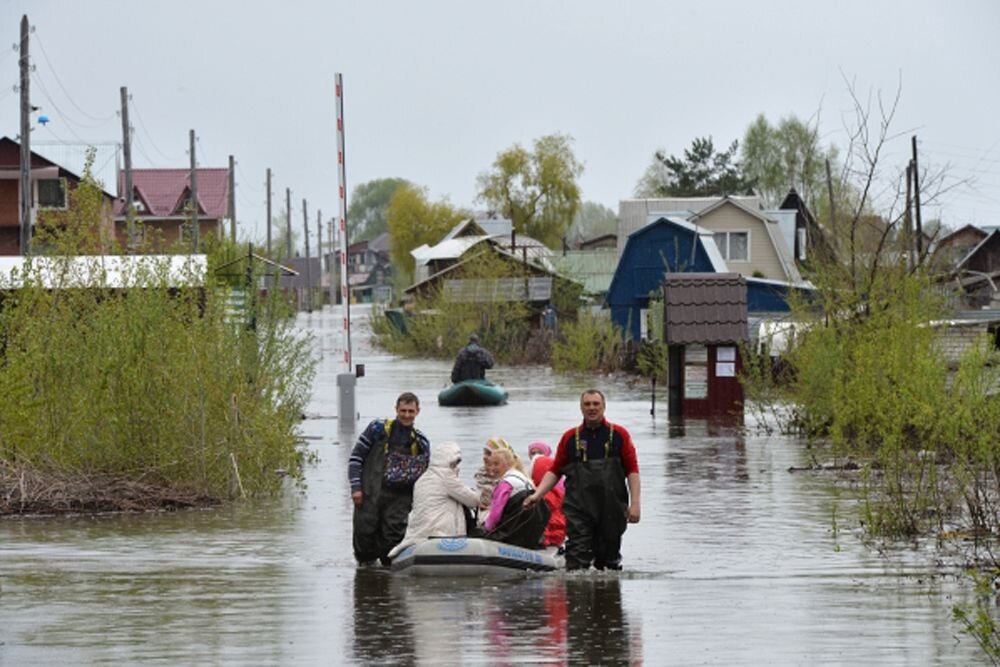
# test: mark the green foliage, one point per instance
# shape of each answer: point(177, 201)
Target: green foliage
point(651, 359)
point(789, 154)
point(701, 172)
point(440, 325)
point(592, 343)
point(536, 190)
point(366, 215)
point(414, 221)
point(148, 383)
point(976, 620)
point(592, 220)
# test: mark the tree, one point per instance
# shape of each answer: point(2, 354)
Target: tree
point(536, 190)
point(366, 216)
point(702, 172)
point(592, 220)
point(414, 221)
point(778, 157)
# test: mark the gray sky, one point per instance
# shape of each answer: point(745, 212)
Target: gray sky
point(434, 90)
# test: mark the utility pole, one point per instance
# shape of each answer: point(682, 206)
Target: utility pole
point(194, 194)
point(232, 198)
point(269, 213)
point(908, 218)
point(319, 254)
point(288, 222)
point(305, 228)
point(333, 257)
point(916, 201)
point(127, 151)
point(26, 195)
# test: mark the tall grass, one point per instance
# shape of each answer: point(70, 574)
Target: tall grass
point(148, 382)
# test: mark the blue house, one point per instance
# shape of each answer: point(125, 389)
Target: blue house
point(667, 245)
point(671, 244)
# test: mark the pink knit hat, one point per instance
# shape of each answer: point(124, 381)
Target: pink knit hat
point(539, 447)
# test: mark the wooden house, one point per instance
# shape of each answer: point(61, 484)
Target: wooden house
point(50, 185)
point(162, 201)
point(978, 273)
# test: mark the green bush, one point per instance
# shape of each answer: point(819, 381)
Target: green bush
point(591, 343)
point(149, 382)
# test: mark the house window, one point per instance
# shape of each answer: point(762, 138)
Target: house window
point(51, 192)
point(801, 231)
point(734, 246)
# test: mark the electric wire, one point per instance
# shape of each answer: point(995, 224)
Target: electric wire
point(55, 74)
point(142, 124)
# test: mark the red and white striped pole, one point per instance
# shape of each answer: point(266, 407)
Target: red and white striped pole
point(346, 415)
point(345, 294)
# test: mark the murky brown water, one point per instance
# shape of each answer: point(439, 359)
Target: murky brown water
point(735, 562)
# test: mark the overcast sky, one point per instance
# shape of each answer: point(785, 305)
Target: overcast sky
point(434, 90)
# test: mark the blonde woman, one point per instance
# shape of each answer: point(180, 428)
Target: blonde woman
point(507, 519)
point(485, 479)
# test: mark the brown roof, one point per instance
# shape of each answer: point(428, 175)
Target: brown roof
point(705, 308)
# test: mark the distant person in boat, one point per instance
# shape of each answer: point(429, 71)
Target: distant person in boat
point(508, 519)
point(599, 461)
point(439, 499)
point(540, 455)
point(388, 458)
point(471, 362)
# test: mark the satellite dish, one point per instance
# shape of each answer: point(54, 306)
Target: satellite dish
point(43, 119)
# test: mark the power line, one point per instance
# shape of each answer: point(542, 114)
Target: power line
point(59, 81)
point(142, 124)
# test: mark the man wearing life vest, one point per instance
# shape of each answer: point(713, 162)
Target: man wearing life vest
point(599, 462)
point(386, 461)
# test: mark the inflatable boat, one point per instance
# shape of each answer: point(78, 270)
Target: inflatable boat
point(472, 392)
point(471, 556)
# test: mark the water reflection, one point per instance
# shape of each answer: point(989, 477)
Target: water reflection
point(383, 633)
point(544, 620)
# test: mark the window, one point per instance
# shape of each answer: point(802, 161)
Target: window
point(802, 243)
point(51, 192)
point(734, 246)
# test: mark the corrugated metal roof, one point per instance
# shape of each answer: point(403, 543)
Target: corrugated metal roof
point(594, 269)
point(705, 308)
point(104, 271)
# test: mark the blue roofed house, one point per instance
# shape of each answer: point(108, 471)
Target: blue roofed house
point(707, 235)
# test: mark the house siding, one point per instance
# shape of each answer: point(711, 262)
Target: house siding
point(763, 258)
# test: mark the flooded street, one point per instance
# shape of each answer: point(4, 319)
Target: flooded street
point(735, 561)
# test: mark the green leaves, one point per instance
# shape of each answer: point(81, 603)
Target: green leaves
point(536, 190)
point(701, 172)
point(414, 221)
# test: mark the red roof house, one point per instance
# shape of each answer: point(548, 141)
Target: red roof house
point(161, 198)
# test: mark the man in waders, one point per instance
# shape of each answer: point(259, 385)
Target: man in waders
point(385, 462)
point(599, 461)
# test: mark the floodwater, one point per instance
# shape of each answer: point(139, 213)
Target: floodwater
point(736, 560)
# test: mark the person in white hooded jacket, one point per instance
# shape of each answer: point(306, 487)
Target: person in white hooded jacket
point(438, 499)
